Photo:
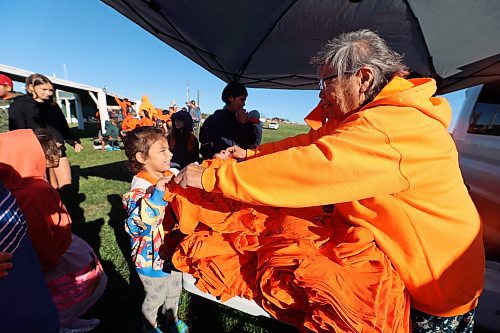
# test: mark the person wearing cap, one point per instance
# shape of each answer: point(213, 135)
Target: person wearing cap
point(7, 96)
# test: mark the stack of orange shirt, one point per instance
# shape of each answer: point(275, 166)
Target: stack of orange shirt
point(303, 266)
point(218, 267)
point(344, 281)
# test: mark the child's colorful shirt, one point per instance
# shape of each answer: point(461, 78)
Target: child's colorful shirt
point(146, 209)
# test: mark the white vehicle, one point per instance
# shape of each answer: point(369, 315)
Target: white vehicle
point(477, 136)
point(274, 125)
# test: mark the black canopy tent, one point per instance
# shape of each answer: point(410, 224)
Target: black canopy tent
point(268, 44)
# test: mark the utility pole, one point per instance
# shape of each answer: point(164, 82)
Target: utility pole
point(187, 91)
point(199, 120)
point(65, 72)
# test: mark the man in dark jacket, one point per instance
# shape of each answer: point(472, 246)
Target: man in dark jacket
point(228, 126)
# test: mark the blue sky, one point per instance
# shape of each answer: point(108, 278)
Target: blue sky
point(100, 47)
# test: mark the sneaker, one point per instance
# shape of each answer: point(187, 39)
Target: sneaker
point(181, 326)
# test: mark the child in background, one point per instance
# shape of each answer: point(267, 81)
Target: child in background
point(182, 142)
point(149, 157)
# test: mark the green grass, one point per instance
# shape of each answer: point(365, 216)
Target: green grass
point(101, 177)
point(284, 131)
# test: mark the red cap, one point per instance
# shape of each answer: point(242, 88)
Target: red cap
point(5, 81)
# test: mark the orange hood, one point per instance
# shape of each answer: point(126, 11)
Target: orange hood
point(21, 156)
point(22, 170)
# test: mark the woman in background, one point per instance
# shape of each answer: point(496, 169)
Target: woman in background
point(38, 109)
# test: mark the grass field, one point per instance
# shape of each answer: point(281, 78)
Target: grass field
point(98, 216)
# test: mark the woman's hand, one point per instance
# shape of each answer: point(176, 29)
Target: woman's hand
point(78, 147)
point(190, 176)
point(5, 263)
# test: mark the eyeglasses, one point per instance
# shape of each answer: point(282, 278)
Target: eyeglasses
point(322, 82)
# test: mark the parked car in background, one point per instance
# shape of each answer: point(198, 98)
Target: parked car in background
point(477, 136)
point(274, 125)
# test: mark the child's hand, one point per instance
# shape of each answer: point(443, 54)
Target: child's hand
point(161, 185)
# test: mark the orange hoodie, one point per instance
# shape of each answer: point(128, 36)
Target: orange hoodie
point(22, 171)
point(393, 168)
point(130, 123)
point(148, 107)
point(124, 105)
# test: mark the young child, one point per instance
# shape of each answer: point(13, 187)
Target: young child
point(149, 157)
point(182, 142)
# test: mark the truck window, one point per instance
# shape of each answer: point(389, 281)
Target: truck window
point(485, 119)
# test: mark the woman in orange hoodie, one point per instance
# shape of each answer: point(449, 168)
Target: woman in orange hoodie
point(382, 155)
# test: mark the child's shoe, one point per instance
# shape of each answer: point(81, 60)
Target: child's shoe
point(181, 326)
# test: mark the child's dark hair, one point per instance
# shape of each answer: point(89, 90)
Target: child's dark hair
point(233, 89)
point(140, 140)
point(49, 146)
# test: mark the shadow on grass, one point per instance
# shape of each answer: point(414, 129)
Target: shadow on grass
point(119, 308)
point(112, 171)
point(207, 316)
point(117, 216)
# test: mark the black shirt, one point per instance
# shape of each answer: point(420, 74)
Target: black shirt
point(222, 130)
point(25, 112)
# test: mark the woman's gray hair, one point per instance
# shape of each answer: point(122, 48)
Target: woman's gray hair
point(350, 51)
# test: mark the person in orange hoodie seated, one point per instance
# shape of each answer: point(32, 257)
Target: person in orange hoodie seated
point(74, 275)
point(381, 153)
point(130, 123)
